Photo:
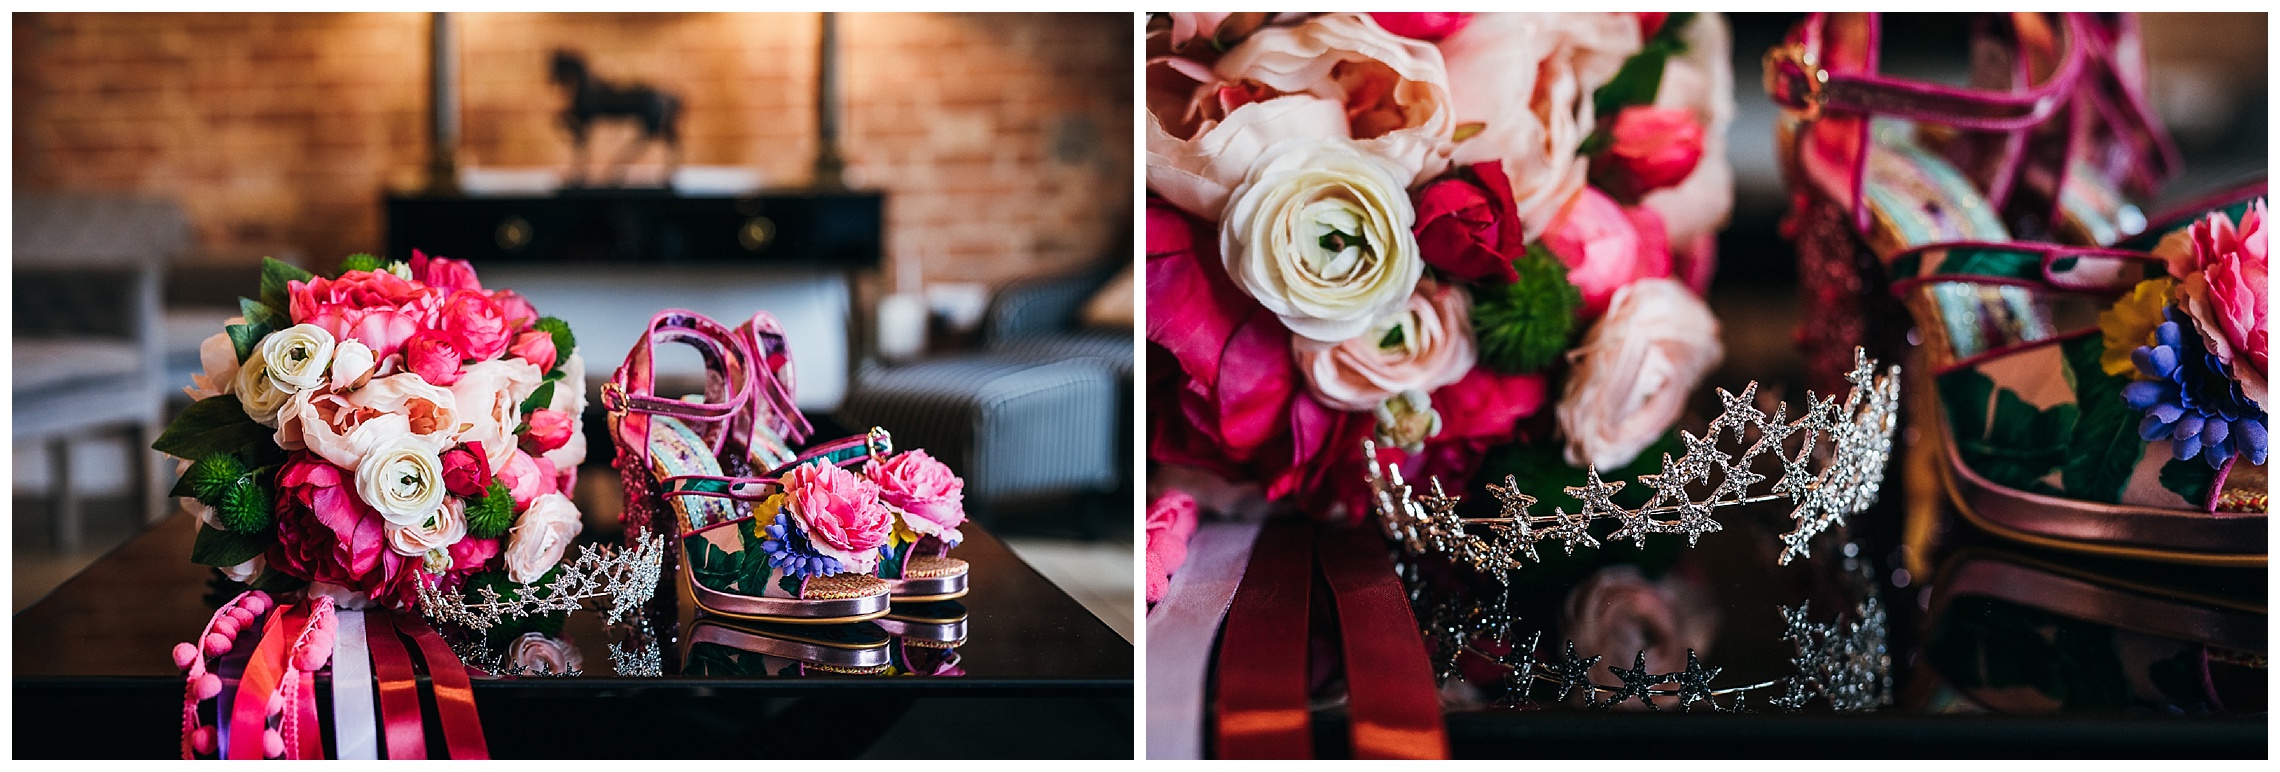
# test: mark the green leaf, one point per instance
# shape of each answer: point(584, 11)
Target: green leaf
point(790, 583)
point(564, 342)
point(1640, 78)
point(541, 397)
point(2189, 478)
point(212, 425)
point(2105, 446)
point(274, 276)
point(223, 549)
point(258, 314)
point(2019, 445)
point(1991, 262)
point(244, 337)
point(274, 582)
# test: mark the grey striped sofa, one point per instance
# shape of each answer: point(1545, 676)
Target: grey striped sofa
point(1042, 408)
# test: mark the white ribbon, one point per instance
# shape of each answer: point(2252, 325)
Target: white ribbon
point(356, 731)
point(1181, 629)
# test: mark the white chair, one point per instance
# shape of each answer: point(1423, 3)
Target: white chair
point(88, 342)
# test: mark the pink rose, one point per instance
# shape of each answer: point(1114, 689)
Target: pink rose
point(1618, 613)
point(1700, 80)
point(466, 473)
point(1426, 345)
point(1525, 80)
point(929, 494)
point(1651, 23)
point(1607, 247)
point(520, 313)
point(1467, 227)
point(1653, 148)
point(1171, 522)
point(478, 328)
point(1634, 370)
point(841, 514)
point(549, 429)
point(444, 274)
point(2226, 299)
point(524, 480)
point(540, 536)
point(1431, 27)
point(536, 348)
point(431, 355)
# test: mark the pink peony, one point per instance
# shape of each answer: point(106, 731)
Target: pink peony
point(520, 313)
point(540, 536)
point(930, 495)
point(1430, 27)
point(841, 514)
point(1606, 247)
point(353, 291)
point(2226, 298)
point(1171, 522)
point(535, 347)
point(476, 325)
point(325, 533)
point(1424, 346)
point(1486, 405)
point(549, 429)
point(466, 472)
point(384, 330)
point(1467, 227)
point(431, 356)
point(444, 274)
point(524, 480)
point(1653, 148)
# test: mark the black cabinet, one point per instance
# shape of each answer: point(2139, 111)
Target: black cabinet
point(643, 227)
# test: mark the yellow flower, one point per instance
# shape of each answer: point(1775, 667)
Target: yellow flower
point(2129, 324)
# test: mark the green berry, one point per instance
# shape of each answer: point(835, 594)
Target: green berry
point(213, 476)
point(1524, 326)
point(488, 517)
point(362, 262)
point(245, 507)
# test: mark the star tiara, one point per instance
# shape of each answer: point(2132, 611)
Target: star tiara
point(625, 579)
point(1823, 493)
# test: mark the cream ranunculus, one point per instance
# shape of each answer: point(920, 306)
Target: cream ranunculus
point(1424, 346)
point(539, 537)
point(430, 412)
point(1525, 81)
point(402, 479)
point(442, 528)
point(217, 356)
point(259, 395)
point(1319, 234)
point(490, 396)
point(352, 365)
point(1634, 370)
point(298, 358)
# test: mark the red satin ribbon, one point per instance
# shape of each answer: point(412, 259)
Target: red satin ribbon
point(311, 735)
point(454, 696)
point(248, 717)
point(1262, 653)
point(399, 688)
point(1392, 696)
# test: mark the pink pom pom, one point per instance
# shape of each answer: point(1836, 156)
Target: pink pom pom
point(217, 645)
point(256, 602)
point(313, 657)
point(185, 655)
point(276, 704)
point(209, 686)
point(272, 744)
point(202, 739)
point(226, 626)
point(240, 614)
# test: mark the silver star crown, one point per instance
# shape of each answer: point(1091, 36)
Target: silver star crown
point(1823, 493)
point(624, 579)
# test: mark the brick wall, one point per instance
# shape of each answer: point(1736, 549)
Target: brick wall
point(1003, 141)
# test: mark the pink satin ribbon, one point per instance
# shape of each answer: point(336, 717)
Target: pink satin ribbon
point(250, 711)
point(1181, 630)
point(454, 695)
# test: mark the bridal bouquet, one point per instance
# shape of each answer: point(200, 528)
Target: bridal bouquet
point(1462, 234)
point(354, 432)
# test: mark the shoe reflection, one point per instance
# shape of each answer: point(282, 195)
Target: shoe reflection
point(926, 637)
point(718, 646)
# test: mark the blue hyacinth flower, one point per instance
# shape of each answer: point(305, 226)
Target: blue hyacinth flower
point(2192, 400)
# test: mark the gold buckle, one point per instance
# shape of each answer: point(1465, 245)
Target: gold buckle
point(879, 442)
point(613, 399)
point(1794, 81)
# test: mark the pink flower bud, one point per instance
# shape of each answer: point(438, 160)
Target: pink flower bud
point(466, 473)
point(1429, 27)
point(549, 429)
point(535, 347)
point(1653, 148)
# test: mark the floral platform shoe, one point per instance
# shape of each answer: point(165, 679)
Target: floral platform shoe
point(926, 500)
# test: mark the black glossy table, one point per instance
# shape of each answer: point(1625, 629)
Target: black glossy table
point(1035, 676)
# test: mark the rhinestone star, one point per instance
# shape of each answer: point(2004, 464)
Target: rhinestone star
point(1514, 509)
point(1694, 683)
point(1637, 680)
point(1575, 674)
point(1742, 408)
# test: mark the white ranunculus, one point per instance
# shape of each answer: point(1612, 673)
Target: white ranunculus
point(217, 356)
point(570, 399)
point(259, 395)
point(540, 536)
point(1320, 235)
point(1634, 370)
point(352, 365)
point(490, 395)
point(298, 358)
point(442, 528)
point(402, 479)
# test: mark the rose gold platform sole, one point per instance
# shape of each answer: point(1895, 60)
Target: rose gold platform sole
point(815, 611)
point(930, 578)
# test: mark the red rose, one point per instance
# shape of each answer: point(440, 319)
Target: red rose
point(549, 429)
point(1468, 226)
point(1650, 22)
point(466, 473)
point(1653, 147)
point(535, 347)
point(431, 356)
point(476, 325)
point(1429, 27)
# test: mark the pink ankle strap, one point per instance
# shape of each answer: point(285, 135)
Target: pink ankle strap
point(630, 394)
point(844, 452)
point(773, 402)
